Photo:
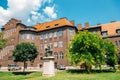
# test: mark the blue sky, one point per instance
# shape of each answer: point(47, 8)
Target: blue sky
point(93, 11)
point(81, 11)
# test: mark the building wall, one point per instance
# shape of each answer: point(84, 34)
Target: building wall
point(112, 31)
point(19, 32)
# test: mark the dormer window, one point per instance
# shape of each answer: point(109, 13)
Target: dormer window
point(56, 24)
point(104, 33)
point(118, 31)
point(47, 26)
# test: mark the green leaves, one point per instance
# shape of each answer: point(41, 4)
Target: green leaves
point(90, 49)
point(25, 52)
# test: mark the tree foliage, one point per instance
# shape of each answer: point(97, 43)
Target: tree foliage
point(91, 49)
point(2, 41)
point(25, 52)
point(111, 53)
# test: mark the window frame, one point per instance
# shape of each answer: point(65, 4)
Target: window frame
point(60, 44)
point(56, 55)
point(104, 33)
point(61, 55)
point(28, 36)
point(55, 34)
point(60, 33)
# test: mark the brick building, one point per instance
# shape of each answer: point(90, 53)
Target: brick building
point(110, 30)
point(56, 34)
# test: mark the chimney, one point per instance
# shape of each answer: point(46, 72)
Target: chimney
point(86, 24)
point(72, 22)
point(79, 26)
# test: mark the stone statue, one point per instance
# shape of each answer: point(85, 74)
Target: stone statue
point(48, 51)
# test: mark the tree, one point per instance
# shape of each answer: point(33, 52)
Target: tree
point(25, 52)
point(2, 41)
point(111, 53)
point(88, 48)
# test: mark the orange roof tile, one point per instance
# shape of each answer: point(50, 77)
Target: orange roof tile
point(52, 24)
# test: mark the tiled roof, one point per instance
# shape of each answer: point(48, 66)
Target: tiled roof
point(53, 24)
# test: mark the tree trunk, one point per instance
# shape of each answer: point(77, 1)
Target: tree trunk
point(24, 67)
point(114, 68)
point(100, 67)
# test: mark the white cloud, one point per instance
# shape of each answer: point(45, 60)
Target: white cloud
point(28, 11)
point(49, 11)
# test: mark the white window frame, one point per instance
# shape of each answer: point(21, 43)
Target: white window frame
point(23, 35)
point(50, 35)
point(33, 36)
point(45, 36)
point(60, 43)
point(70, 32)
point(104, 33)
point(41, 37)
point(61, 55)
point(27, 36)
point(55, 34)
point(56, 55)
point(61, 33)
point(55, 44)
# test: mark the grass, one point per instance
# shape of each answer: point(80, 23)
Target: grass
point(62, 75)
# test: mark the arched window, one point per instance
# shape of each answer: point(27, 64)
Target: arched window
point(61, 55)
point(56, 55)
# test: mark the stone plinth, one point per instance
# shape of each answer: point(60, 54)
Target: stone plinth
point(48, 66)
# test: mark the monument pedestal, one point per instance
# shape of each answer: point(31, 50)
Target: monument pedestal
point(48, 66)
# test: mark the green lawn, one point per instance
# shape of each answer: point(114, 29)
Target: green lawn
point(62, 75)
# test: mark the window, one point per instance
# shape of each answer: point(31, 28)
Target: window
point(56, 55)
point(41, 46)
point(27, 36)
point(33, 36)
point(61, 33)
point(41, 36)
point(60, 44)
point(50, 35)
point(118, 31)
point(104, 33)
point(55, 34)
point(56, 24)
point(45, 46)
point(47, 26)
point(23, 35)
point(94, 32)
point(55, 44)
point(50, 44)
point(61, 55)
point(70, 32)
point(45, 36)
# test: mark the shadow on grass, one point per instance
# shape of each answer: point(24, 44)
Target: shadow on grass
point(91, 71)
point(21, 73)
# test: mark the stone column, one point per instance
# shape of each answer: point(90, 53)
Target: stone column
point(48, 66)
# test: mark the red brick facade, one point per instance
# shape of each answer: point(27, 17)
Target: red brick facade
point(57, 34)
